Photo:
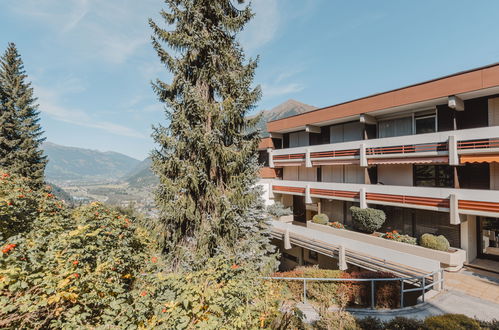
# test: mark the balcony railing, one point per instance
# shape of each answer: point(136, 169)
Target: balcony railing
point(449, 143)
point(455, 201)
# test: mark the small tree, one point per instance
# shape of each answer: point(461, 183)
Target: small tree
point(434, 242)
point(20, 131)
point(367, 220)
point(277, 210)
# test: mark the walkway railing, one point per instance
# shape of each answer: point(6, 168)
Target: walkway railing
point(436, 282)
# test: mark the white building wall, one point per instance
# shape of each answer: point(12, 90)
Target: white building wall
point(396, 174)
point(468, 237)
point(265, 184)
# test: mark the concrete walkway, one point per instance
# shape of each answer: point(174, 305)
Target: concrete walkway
point(447, 302)
point(473, 282)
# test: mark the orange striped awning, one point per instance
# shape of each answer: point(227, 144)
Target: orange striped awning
point(336, 162)
point(479, 158)
point(411, 160)
point(280, 164)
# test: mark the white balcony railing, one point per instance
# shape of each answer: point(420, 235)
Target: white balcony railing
point(455, 201)
point(451, 143)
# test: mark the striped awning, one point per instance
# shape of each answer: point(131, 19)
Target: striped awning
point(409, 160)
point(480, 158)
point(281, 164)
point(335, 162)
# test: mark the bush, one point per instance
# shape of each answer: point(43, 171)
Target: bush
point(367, 220)
point(434, 242)
point(370, 323)
point(333, 320)
point(278, 210)
point(321, 219)
point(395, 236)
point(451, 321)
point(404, 323)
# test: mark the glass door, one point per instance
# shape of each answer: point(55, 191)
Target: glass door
point(488, 238)
point(299, 209)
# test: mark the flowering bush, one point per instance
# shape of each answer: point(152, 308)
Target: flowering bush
point(337, 225)
point(94, 267)
point(395, 236)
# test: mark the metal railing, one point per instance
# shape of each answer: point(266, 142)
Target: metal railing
point(421, 281)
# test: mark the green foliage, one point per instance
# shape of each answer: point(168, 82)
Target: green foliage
point(395, 236)
point(321, 219)
point(333, 320)
point(367, 220)
point(451, 321)
point(207, 160)
point(434, 242)
point(20, 132)
point(277, 210)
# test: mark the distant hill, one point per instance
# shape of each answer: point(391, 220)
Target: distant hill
point(142, 175)
point(283, 110)
point(78, 164)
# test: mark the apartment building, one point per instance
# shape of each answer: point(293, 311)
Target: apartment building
point(426, 154)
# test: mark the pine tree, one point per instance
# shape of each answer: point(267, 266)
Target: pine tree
point(20, 131)
point(207, 155)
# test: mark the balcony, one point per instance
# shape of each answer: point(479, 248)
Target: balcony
point(454, 201)
point(450, 147)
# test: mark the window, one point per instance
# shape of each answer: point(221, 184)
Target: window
point(433, 176)
point(312, 255)
point(395, 127)
point(298, 139)
point(263, 158)
point(346, 132)
point(426, 124)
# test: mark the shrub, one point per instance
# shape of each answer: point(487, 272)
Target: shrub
point(370, 323)
point(367, 220)
point(333, 320)
point(451, 321)
point(395, 236)
point(404, 323)
point(387, 293)
point(278, 210)
point(337, 225)
point(321, 219)
point(434, 242)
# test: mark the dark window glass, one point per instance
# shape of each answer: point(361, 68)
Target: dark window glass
point(312, 255)
point(425, 125)
point(433, 176)
point(263, 158)
point(319, 174)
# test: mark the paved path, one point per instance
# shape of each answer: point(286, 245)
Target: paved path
point(476, 283)
point(447, 302)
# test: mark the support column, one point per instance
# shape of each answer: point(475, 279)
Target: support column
point(308, 199)
point(453, 155)
point(363, 201)
point(454, 210)
point(271, 157)
point(308, 162)
point(363, 158)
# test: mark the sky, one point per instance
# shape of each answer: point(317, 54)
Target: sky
point(91, 61)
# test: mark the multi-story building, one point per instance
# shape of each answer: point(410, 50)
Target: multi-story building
point(426, 154)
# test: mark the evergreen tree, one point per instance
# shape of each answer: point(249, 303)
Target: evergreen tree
point(20, 131)
point(207, 156)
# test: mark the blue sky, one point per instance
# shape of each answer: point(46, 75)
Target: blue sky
point(91, 60)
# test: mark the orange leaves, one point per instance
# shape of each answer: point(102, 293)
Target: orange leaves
point(234, 266)
point(75, 262)
point(143, 293)
point(7, 248)
point(154, 260)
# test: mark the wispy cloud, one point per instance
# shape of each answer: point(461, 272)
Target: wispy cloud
point(279, 90)
point(50, 104)
point(263, 27)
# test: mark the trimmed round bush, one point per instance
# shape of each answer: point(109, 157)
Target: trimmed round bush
point(367, 220)
point(434, 242)
point(451, 321)
point(321, 219)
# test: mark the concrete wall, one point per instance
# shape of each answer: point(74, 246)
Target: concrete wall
point(287, 200)
point(333, 209)
point(468, 237)
point(396, 174)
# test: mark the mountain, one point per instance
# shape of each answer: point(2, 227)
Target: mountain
point(78, 164)
point(283, 110)
point(142, 175)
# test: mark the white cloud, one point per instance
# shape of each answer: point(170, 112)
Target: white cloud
point(49, 101)
point(264, 25)
point(278, 90)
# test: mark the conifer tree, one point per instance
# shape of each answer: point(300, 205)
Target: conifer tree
point(207, 155)
point(20, 131)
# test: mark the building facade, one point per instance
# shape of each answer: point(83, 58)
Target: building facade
point(426, 154)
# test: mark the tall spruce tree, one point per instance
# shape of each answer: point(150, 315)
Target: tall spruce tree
point(20, 131)
point(207, 155)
